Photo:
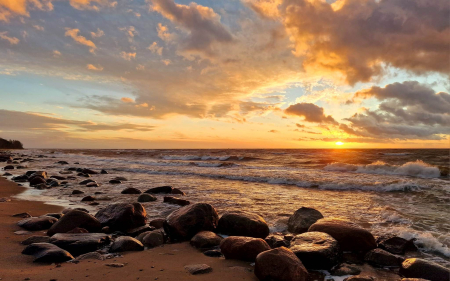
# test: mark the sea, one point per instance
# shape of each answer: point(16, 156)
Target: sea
point(405, 192)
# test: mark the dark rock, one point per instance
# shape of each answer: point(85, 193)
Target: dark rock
point(206, 239)
point(58, 178)
point(47, 253)
point(276, 240)
point(213, 253)
point(86, 182)
point(131, 190)
point(196, 269)
point(78, 230)
point(302, 219)
point(126, 243)
point(9, 167)
point(89, 171)
point(243, 248)
point(350, 236)
point(76, 191)
point(40, 223)
point(240, 223)
point(55, 215)
point(22, 178)
point(80, 243)
point(157, 223)
point(115, 182)
point(177, 191)
point(92, 184)
point(88, 199)
point(359, 278)
point(176, 201)
point(138, 230)
point(160, 189)
point(41, 186)
point(41, 174)
point(184, 223)
point(37, 180)
point(103, 172)
point(36, 239)
point(62, 163)
point(144, 197)
point(22, 215)
point(65, 211)
point(122, 216)
point(120, 178)
point(279, 264)
point(397, 245)
point(382, 258)
point(153, 239)
point(73, 219)
point(345, 269)
point(94, 204)
point(419, 268)
point(317, 250)
point(8, 174)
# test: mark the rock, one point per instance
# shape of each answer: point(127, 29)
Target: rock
point(7, 174)
point(9, 167)
point(62, 163)
point(74, 219)
point(161, 189)
point(240, 223)
point(153, 239)
point(37, 180)
point(89, 171)
point(345, 269)
point(177, 191)
point(120, 178)
point(206, 239)
point(76, 191)
point(117, 265)
point(276, 240)
point(103, 172)
point(65, 211)
point(78, 230)
point(157, 223)
point(184, 223)
point(419, 268)
point(22, 178)
point(41, 174)
point(359, 278)
point(138, 230)
point(397, 245)
point(94, 204)
point(131, 190)
point(176, 201)
point(86, 182)
point(58, 178)
point(41, 186)
point(126, 243)
point(22, 232)
point(80, 243)
point(350, 236)
point(55, 215)
point(317, 250)
point(115, 182)
point(47, 253)
point(92, 184)
point(382, 258)
point(279, 264)
point(144, 197)
point(4, 199)
point(40, 223)
point(22, 215)
point(36, 239)
point(213, 253)
point(195, 269)
point(302, 219)
point(243, 248)
point(88, 199)
point(122, 216)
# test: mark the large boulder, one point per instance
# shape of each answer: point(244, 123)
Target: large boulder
point(279, 264)
point(240, 223)
point(37, 223)
point(80, 243)
point(243, 248)
point(350, 236)
point(382, 258)
point(160, 189)
point(125, 244)
point(302, 219)
point(419, 268)
point(184, 223)
point(206, 239)
point(73, 219)
point(317, 250)
point(47, 253)
point(122, 216)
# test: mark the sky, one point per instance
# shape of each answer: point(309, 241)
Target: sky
point(225, 74)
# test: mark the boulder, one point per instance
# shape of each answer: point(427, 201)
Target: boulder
point(160, 189)
point(144, 197)
point(47, 253)
point(177, 191)
point(238, 223)
point(176, 201)
point(196, 269)
point(37, 180)
point(125, 244)
point(80, 243)
point(206, 239)
point(153, 239)
point(279, 264)
point(39, 223)
point(317, 250)
point(131, 190)
point(350, 236)
point(243, 248)
point(36, 239)
point(88, 199)
point(302, 219)
point(419, 268)
point(76, 191)
point(276, 240)
point(382, 258)
point(157, 223)
point(184, 223)
point(396, 245)
point(115, 182)
point(73, 219)
point(122, 216)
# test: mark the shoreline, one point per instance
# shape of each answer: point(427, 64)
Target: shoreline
point(161, 263)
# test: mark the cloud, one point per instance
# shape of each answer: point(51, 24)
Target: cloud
point(56, 53)
point(11, 8)
point(98, 33)
point(91, 4)
point(73, 33)
point(127, 100)
point(38, 27)
point(356, 38)
point(201, 23)
point(310, 112)
point(130, 31)
point(95, 68)
point(163, 33)
point(127, 56)
point(11, 40)
point(273, 131)
point(154, 48)
point(166, 62)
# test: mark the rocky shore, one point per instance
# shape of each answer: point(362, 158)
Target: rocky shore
point(313, 247)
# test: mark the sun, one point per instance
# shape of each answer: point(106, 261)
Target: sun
point(339, 143)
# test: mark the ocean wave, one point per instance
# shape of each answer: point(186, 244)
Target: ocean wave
point(415, 169)
point(208, 158)
point(396, 153)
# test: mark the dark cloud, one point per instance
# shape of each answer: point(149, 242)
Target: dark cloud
point(310, 112)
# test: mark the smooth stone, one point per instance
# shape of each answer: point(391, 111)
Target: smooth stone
point(80, 243)
point(88, 199)
point(419, 268)
point(302, 219)
point(276, 240)
point(47, 253)
point(22, 215)
point(55, 215)
point(103, 172)
point(144, 197)
point(243, 248)
point(122, 216)
point(397, 245)
point(89, 171)
point(239, 223)
point(39, 223)
point(176, 201)
point(86, 182)
point(140, 229)
point(206, 239)
point(153, 239)
point(78, 230)
point(74, 219)
point(177, 191)
point(160, 189)
point(382, 258)
point(195, 269)
point(157, 223)
point(35, 239)
point(37, 180)
point(115, 182)
point(125, 244)
point(131, 190)
point(279, 264)
point(76, 191)
point(92, 184)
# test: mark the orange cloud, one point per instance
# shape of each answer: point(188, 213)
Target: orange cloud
point(91, 4)
point(11, 40)
point(155, 48)
point(73, 33)
point(95, 68)
point(11, 8)
point(127, 100)
point(128, 56)
point(99, 33)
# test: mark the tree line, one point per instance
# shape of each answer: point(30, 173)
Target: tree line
point(10, 144)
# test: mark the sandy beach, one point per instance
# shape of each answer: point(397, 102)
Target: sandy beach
point(161, 263)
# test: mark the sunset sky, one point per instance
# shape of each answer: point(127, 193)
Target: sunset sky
point(225, 74)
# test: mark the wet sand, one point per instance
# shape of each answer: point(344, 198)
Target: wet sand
point(161, 263)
